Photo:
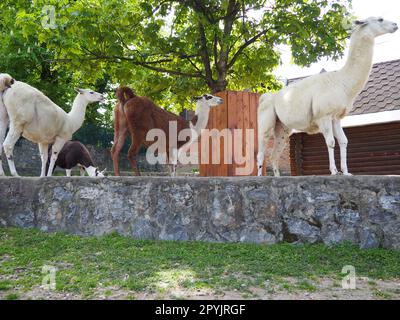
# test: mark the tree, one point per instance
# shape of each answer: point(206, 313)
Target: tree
point(172, 49)
point(24, 55)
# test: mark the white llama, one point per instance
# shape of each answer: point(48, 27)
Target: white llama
point(6, 81)
point(38, 119)
point(196, 125)
point(318, 103)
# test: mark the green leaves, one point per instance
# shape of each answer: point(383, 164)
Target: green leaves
point(157, 47)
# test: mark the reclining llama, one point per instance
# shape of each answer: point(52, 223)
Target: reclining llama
point(38, 119)
point(73, 154)
point(136, 116)
point(318, 103)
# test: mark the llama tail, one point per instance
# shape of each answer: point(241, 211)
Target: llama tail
point(265, 101)
point(266, 114)
point(5, 81)
point(124, 94)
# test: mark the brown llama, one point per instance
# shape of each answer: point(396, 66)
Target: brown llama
point(136, 116)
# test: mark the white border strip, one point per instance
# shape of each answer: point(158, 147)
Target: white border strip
point(371, 118)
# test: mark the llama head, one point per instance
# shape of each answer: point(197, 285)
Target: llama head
point(95, 172)
point(209, 100)
point(90, 95)
point(100, 174)
point(6, 81)
point(376, 27)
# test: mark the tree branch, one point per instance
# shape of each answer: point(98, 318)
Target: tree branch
point(135, 62)
point(204, 55)
point(232, 11)
point(244, 46)
point(215, 47)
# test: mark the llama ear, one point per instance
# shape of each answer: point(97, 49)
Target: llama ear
point(79, 90)
point(197, 98)
point(360, 23)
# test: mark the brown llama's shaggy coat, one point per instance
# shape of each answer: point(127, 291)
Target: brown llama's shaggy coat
point(136, 115)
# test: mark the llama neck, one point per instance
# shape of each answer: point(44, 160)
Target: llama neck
point(359, 63)
point(77, 114)
point(202, 112)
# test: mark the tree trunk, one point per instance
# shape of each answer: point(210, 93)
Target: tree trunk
point(219, 85)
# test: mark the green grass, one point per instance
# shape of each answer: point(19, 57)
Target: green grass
point(306, 286)
point(12, 296)
point(85, 263)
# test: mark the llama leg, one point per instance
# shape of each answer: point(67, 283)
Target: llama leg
point(44, 156)
point(55, 150)
point(133, 150)
point(3, 129)
point(280, 141)
point(68, 172)
point(116, 149)
point(266, 125)
point(260, 156)
point(2, 136)
point(326, 129)
point(11, 139)
point(82, 171)
point(342, 139)
point(174, 162)
point(262, 147)
point(171, 170)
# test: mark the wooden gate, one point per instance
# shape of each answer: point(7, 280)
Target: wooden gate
point(239, 111)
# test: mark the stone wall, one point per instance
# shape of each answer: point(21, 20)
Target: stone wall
point(363, 210)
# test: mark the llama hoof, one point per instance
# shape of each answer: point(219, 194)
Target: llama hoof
point(348, 174)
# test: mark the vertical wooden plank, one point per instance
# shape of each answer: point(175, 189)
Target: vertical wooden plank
point(246, 125)
point(253, 125)
point(215, 167)
point(239, 125)
point(212, 124)
point(222, 123)
point(202, 166)
point(232, 125)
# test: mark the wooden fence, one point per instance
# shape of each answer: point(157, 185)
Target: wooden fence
point(239, 111)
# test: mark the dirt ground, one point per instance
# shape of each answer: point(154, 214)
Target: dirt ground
point(325, 289)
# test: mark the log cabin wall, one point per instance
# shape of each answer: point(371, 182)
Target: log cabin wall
point(372, 150)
